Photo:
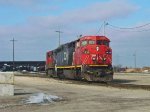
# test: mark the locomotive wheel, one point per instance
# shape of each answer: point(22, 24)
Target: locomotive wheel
point(50, 72)
point(77, 74)
point(60, 74)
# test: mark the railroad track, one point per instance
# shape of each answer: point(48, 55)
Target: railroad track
point(113, 84)
point(110, 84)
point(128, 86)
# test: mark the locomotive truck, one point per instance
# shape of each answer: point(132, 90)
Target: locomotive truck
point(87, 58)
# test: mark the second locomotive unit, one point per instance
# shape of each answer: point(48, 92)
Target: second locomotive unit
point(88, 58)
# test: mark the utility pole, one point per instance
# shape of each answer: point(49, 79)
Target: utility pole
point(118, 63)
point(105, 23)
point(13, 41)
point(118, 59)
point(134, 59)
point(59, 32)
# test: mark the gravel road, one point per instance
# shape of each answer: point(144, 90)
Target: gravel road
point(75, 97)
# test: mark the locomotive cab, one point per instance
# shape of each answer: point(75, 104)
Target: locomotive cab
point(95, 56)
point(93, 50)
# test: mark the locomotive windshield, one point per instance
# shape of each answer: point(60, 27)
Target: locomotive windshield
point(106, 43)
point(102, 42)
point(97, 42)
point(91, 42)
point(83, 43)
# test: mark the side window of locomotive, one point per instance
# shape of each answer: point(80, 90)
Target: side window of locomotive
point(84, 42)
point(106, 43)
point(99, 42)
point(91, 42)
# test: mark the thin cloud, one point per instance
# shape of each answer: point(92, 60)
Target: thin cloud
point(93, 13)
point(18, 2)
point(102, 11)
point(30, 5)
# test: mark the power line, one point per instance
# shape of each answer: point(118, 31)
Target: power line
point(99, 29)
point(129, 27)
point(121, 30)
point(104, 28)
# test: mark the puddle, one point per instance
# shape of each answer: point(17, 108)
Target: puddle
point(42, 98)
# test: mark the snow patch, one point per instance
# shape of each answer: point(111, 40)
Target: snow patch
point(42, 98)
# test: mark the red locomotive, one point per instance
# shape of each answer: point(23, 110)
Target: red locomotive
point(89, 58)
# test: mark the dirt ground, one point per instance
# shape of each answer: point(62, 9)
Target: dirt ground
point(76, 97)
point(132, 78)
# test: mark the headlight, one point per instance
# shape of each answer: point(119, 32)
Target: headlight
point(86, 51)
point(93, 59)
point(108, 52)
point(97, 48)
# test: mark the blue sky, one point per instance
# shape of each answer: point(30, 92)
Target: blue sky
point(33, 24)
